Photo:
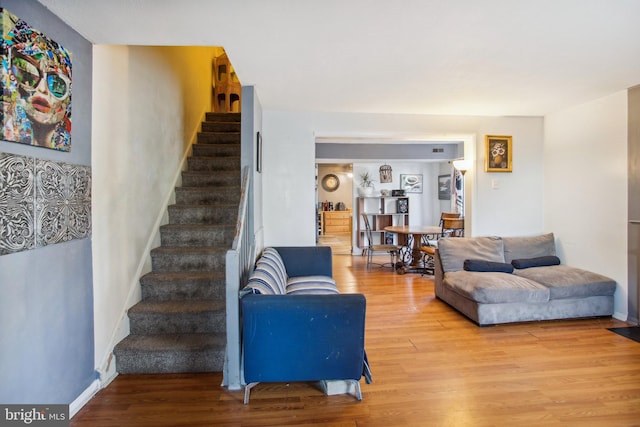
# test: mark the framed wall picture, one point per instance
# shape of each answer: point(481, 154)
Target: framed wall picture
point(444, 187)
point(35, 86)
point(497, 153)
point(258, 152)
point(402, 205)
point(411, 183)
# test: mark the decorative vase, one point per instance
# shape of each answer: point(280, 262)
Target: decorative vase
point(365, 191)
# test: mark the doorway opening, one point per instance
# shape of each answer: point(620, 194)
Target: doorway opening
point(334, 206)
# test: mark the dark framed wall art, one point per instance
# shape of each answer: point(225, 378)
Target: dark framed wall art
point(444, 187)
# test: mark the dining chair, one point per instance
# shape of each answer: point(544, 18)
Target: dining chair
point(449, 215)
point(450, 227)
point(392, 250)
point(443, 216)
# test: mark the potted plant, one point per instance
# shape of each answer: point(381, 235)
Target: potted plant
point(366, 184)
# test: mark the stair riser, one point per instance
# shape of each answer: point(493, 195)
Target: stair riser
point(220, 150)
point(197, 237)
point(221, 126)
point(141, 362)
point(182, 291)
point(177, 323)
point(200, 179)
point(165, 262)
point(207, 196)
point(202, 214)
point(218, 138)
point(223, 117)
point(213, 163)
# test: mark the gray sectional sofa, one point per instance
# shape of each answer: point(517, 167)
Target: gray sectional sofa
point(477, 277)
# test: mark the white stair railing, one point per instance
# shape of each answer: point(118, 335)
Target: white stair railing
point(239, 261)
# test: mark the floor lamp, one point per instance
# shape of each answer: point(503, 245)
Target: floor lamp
point(462, 166)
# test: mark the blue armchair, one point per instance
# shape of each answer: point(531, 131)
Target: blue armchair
point(311, 333)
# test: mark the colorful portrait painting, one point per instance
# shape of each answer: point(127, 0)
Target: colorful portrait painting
point(36, 86)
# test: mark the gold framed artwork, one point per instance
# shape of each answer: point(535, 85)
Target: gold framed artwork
point(497, 153)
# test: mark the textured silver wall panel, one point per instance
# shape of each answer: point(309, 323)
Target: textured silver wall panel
point(16, 203)
point(42, 202)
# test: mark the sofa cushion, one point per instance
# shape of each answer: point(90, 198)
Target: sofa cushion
point(263, 281)
point(305, 285)
point(564, 281)
point(528, 247)
point(272, 268)
point(487, 266)
point(268, 278)
point(273, 257)
point(455, 250)
point(495, 288)
point(541, 261)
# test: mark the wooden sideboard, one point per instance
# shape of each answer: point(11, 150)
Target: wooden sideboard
point(337, 222)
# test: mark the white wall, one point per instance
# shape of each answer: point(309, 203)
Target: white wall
point(289, 178)
point(148, 103)
point(585, 188)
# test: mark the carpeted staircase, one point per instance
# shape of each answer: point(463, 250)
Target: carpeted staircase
point(179, 325)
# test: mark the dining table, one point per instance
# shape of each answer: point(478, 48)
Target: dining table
point(410, 237)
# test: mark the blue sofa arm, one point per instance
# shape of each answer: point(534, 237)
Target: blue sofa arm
point(303, 337)
point(306, 260)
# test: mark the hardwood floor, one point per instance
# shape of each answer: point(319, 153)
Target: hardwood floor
point(431, 367)
point(340, 243)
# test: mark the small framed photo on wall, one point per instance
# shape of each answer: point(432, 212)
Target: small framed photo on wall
point(258, 152)
point(497, 153)
point(411, 183)
point(444, 187)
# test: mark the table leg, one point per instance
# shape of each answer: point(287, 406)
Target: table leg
point(416, 255)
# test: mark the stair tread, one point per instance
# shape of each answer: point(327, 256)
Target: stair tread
point(213, 144)
point(206, 172)
point(168, 342)
point(225, 158)
point(209, 206)
point(208, 187)
point(187, 306)
point(197, 226)
point(190, 249)
point(171, 276)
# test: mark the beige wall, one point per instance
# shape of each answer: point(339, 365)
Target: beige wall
point(148, 103)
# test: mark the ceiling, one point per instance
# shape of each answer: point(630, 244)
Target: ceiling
point(470, 57)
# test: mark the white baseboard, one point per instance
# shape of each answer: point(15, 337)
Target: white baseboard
point(620, 316)
point(84, 397)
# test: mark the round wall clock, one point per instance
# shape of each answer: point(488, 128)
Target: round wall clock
point(330, 182)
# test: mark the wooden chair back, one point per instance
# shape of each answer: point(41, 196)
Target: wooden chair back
point(448, 215)
point(453, 227)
